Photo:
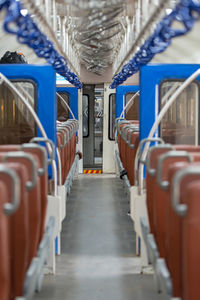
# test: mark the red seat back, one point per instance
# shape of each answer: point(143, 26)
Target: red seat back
point(19, 232)
point(153, 156)
point(131, 154)
point(4, 242)
point(190, 246)
point(34, 204)
point(159, 209)
point(173, 228)
point(42, 190)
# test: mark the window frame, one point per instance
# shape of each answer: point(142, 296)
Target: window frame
point(60, 93)
point(109, 114)
point(125, 102)
point(88, 118)
point(159, 100)
point(35, 107)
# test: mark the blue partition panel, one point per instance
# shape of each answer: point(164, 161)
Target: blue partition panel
point(150, 78)
point(121, 91)
point(73, 98)
point(44, 79)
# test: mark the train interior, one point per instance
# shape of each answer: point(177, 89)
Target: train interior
point(99, 149)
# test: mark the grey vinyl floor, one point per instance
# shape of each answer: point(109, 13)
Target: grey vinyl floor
point(98, 260)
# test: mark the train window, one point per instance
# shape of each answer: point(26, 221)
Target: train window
point(132, 111)
point(17, 125)
point(98, 123)
point(85, 115)
point(180, 123)
point(62, 113)
point(112, 116)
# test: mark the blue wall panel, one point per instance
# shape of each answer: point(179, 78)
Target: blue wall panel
point(150, 78)
point(44, 78)
point(73, 93)
point(121, 91)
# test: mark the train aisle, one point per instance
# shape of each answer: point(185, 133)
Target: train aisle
point(98, 242)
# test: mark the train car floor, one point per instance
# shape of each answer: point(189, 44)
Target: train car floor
point(98, 260)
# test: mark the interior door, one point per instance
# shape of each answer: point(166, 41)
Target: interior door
point(92, 110)
point(88, 125)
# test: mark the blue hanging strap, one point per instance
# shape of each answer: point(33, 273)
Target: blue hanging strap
point(28, 33)
point(187, 12)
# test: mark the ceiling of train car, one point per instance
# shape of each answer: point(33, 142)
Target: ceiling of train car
point(97, 30)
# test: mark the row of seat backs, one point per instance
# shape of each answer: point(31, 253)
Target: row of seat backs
point(66, 143)
point(128, 141)
point(22, 231)
point(176, 234)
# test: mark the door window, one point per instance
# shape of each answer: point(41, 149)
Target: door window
point(180, 123)
point(62, 112)
point(17, 125)
point(132, 111)
point(98, 125)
